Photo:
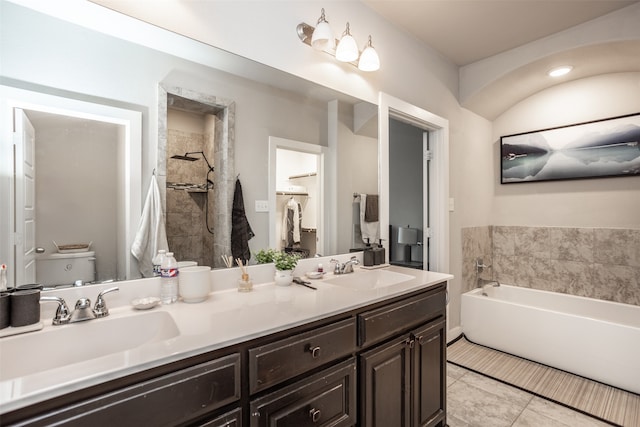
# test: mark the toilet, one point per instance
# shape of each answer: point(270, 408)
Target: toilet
point(66, 269)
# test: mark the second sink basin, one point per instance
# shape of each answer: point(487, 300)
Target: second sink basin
point(369, 279)
point(58, 346)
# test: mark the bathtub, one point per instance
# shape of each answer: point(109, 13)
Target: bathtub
point(593, 338)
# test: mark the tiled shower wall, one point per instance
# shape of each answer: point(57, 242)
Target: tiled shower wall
point(601, 263)
point(187, 234)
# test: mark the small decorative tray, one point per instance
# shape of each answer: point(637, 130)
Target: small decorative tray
point(314, 275)
point(145, 303)
point(72, 248)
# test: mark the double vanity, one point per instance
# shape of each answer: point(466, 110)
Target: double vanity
point(365, 348)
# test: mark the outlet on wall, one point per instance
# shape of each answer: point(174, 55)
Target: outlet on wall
point(262, 206)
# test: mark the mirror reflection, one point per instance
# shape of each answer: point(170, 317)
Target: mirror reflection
point(126, 75)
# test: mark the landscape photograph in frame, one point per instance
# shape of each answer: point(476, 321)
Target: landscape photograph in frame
point(597, 149)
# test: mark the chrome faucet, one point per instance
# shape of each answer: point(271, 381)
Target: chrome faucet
point(346, 267)
point(82, 311)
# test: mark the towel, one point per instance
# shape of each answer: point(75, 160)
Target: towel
point(369, 230)
point(151, 235)
point(371, 208)
point(241, 231)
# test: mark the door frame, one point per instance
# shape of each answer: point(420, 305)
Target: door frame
point(438, 191)
point(130, 171)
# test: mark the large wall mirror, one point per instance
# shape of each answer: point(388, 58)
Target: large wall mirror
point(81, 64)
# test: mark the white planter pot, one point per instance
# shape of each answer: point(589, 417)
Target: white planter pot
point(283, 277)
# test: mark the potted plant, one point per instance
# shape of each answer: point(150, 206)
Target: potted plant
point(265, 256)
point(284, 262)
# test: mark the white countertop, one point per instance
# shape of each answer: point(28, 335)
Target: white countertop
point(227, 317)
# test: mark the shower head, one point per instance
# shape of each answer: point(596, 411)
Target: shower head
point(185, 157)
point(189, 158)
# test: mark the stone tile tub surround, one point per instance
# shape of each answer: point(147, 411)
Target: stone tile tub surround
point(601, 263)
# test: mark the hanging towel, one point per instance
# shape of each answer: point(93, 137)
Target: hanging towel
point(241, 231)
point(151, 235)
point(369, 230)
point(371, 208)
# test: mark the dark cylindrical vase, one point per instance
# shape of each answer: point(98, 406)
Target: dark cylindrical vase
point(5, 309)
point(25, 307)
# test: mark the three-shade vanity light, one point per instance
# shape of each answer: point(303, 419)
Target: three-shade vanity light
point(346, 50)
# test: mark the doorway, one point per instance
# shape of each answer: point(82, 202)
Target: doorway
point(408, 195)
point(435, 180)
point(296, 196)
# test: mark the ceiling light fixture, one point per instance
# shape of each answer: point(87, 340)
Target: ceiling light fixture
point(321, 38)
point(560, 71)
point(347, 50)
point(369, 60)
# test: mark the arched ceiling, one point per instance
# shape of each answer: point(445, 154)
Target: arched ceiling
point(509, 89)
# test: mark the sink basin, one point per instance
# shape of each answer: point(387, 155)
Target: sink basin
point(369, 279)
point(58, 346)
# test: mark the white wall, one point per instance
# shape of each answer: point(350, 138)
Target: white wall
point(606, 202)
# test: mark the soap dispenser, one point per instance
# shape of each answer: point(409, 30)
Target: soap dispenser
point(369, 257)
point(378, 254)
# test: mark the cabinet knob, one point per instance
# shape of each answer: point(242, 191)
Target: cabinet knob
point(314, 414)
point(315, 351)
point(410, 342)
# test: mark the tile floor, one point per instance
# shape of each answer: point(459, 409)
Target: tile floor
point(474, 400)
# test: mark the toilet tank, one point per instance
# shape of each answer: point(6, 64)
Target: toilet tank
point(64, 269)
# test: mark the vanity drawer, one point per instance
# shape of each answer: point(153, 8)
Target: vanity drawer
point(387, 321)
point(167, 400)
point(278, 361)
point(327, 398)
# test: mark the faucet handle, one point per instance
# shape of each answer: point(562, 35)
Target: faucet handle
point(100, 309)
point(62, 313)
point(336, 267)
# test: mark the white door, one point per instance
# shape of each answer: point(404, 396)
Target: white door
point(25, 187)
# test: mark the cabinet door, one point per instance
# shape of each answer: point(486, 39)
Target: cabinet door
point(385, 374)
point(429, 374)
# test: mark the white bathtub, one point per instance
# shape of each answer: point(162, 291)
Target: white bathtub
point(593, 338)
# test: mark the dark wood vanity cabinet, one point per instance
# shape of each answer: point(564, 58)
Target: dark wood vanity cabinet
point(379, 365)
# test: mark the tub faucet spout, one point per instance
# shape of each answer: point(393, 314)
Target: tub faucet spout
point(484, 284)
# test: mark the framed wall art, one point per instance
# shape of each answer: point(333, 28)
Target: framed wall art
point(597, 149)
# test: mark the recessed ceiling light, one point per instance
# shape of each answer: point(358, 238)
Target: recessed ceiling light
point(560, 71)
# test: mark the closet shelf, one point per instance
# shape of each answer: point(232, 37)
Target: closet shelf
point(303, 175)
point(291, 193)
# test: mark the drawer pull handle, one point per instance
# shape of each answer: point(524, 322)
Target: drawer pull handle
point(314, 414)
point(315, 352)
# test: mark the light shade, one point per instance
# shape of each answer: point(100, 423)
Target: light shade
point(560, 71)
point(369, 60)
point(347, 50)
point(322, 38)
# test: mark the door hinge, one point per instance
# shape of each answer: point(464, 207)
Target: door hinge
point(428, 232)
point(428, 155)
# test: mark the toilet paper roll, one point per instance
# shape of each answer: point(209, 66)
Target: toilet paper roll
point(407, 236)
